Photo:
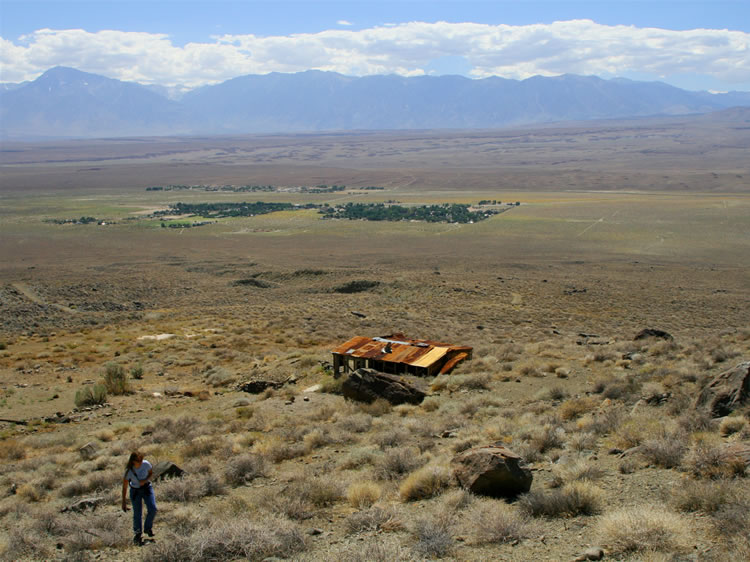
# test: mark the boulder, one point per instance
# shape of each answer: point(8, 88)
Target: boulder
point(493, 471)
point(256, 387)
point(83, 505)
point(166, 469)
point(88, 451)
point(367, 385)
point(726, 392)
point(653, 333)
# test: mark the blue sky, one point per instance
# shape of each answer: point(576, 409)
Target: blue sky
point(193, 42)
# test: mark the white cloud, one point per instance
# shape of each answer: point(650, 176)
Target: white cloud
point(344, 22)
point(576, 46)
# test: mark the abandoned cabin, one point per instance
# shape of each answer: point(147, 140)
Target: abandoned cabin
point(397, 354)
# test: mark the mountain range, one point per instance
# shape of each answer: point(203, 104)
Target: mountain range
point(65, 102)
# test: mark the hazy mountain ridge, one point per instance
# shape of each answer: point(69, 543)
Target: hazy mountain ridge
point(65, 102)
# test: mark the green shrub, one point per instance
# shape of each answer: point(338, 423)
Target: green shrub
point(115, 380)
point(91, 395)
point(136, 372)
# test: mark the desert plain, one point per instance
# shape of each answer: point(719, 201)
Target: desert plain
point(620, 226)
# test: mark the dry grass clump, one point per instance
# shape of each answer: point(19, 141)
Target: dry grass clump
point(191, 488)
point(576, 407)
point(12, 450)
point(359, 457)
point(170, 430)
point(373, 519)
point(244, 468)
point(231, 539)
point(581, 469)
point(644, 528)
point(430, 404)
point(477, 381)
point(495, 522)
point(574, 498)
point(376, 549)
point(665, 451)
point(434, 534)
point(392, 437)
point(711, 461)
point(355, 423)
point(731, 425)
point(425, 482)
point(706, 496)
point(399, 461)
point(320, 492)
point(276, 450)
point(363, 494)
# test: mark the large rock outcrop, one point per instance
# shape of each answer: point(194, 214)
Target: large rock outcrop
point(367, 385)
point(166, 469)
point(493, 471)
point(726, 392)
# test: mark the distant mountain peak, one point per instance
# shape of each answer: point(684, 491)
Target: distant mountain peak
point(65, 101)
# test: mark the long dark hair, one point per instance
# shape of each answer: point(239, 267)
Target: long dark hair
point(134, 456)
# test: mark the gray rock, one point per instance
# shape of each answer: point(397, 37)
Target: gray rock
point(726, 392)
point(83, 505)
point(493, 471)
point(166, 469)
point(367, 385)
point(653, 333)
point(593, 553)
point(240, 402)
point(88, 451)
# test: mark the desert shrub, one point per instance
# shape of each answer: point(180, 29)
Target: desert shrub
point(115, 380)
point(530, 371)
point(554, 393)
point(711, 461)
point(359, 457)
point(245, 468)
point(136, 371)
point(602, 423)
point(356, 423)
point(430, 404)
point(696, 420)
point(201, 447)
point(434, 535)
point(575, 498)
point(363, 494)
point(170, 430)
point(377, 549)
point(231, 539)
point(495, 522)
point(733, 519)
point(643, 528)
point(372, 519)
point(90, 395)
point(277, 451)
point(22, 544)
point(218, 376)
point(244, 412)
point(584, 441)
point(378, 408)
point(190, 488)
point(398, 461)
point(731, 425)
point(73, 488)
point(391, 437)
point(12, 450)
point(478, 381)
point(665, 451)
point(574, 471)
point(425, 482)
point(331, 385)
point(575, 407)
point(705, 497)
point(320, 492)
point(546, 438)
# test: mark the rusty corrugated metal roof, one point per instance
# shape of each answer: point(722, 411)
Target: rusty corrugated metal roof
point(397, 348)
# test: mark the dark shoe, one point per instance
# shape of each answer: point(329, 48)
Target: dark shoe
point(138, 540)
point(150, 532)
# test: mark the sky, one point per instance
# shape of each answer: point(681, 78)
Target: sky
point(697, 45)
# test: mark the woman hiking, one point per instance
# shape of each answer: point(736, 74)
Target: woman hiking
point(138, 477)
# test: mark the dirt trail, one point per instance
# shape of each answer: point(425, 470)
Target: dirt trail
point(29, 293)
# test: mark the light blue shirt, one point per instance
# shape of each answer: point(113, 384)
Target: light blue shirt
point(135, 475)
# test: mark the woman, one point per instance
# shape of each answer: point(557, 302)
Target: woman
point(138, 474)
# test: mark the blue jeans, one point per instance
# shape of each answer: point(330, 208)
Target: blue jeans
point(138, 496)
